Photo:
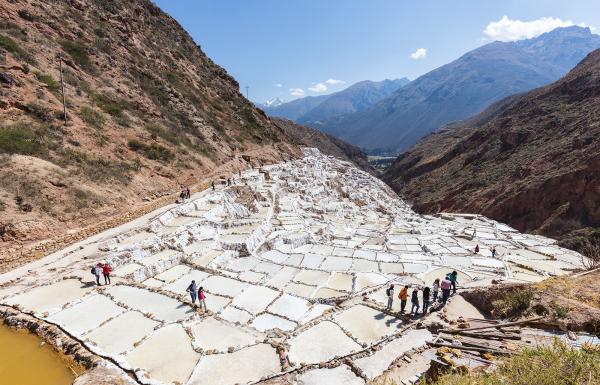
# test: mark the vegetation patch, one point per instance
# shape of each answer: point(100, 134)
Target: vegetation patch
point(108, 104)
point(13, 47)
point(98, 169)
point(514, 303)
point(153, 151)
point(545, 365)
point(91, 117)
point(52, 84)
point(21, 139)
point(78, 52)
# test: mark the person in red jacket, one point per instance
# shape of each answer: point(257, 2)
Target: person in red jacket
point(106, 269)
point(202, 299)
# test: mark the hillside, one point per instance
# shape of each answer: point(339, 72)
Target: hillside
point(532, 161)
point(465, 87)
point(324, 110)
point(327, 144)
point(147, 111)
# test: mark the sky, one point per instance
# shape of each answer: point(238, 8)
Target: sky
point(295, 48)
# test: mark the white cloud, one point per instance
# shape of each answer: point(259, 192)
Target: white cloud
point(319, 87)
point(506, 29)
point(296, 92)
point(421, 53)
point(333, 82)
point(278, 85)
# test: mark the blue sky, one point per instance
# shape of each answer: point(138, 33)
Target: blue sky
point(279, 47)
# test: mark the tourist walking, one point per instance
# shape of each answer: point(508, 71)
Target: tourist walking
point(202, 299)
point(106, 270)
point(403, 296)
point(453, 277)
point(212, 183)
point(193, 290)
point(96, 271)
point(435, 289)
point(414, 300)
point(476, 249)
point(426, 294)
point(494, 252)
point(390, 296)
point(446, 286)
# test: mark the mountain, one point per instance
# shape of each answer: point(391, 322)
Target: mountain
point(147, 111)
point(327, 144)
point(531, 160)
point(465, 87)
point(270, 103)
point(296, 108)
point(318, 111)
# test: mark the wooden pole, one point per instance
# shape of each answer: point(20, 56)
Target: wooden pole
point(492, 326)
point(62, 87)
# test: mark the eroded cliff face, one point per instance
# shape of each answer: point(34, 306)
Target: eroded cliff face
point(147, 111)
point(532, 161)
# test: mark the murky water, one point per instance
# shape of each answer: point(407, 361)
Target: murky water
point(24, 362)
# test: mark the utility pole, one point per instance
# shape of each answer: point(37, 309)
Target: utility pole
point(62, 87)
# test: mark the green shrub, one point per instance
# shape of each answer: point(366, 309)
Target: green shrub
point(78, 53)
point(513, 303)
point(11, 46)
point(48, 80)
point(109, 105)
point(20, 139)
point(154, 151)
point(91, 117)
point(38, 112)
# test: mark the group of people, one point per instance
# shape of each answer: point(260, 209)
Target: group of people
point(184, 194)
point(197, 293)
point(103, 269)
point(429, 294)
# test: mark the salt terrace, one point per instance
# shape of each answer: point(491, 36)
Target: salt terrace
point(294, 259)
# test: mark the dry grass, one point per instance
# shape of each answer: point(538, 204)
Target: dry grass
point(549, 365)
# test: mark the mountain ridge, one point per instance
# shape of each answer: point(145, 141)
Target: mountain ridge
point(465, 87)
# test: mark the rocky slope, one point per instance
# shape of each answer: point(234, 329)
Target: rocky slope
point(325, 110)
point(465, 87)
point(147, 111)
point(327, 144)
point(532, 161)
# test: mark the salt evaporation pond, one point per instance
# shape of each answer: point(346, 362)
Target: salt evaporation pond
point(25, 361)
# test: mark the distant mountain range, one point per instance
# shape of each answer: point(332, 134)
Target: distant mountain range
point(321, 111)
point(461, 89)
point(531, 160)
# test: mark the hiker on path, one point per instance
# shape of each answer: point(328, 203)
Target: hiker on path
point(193, 290)
point(390, 296)
point(202, 299)
point(97, 270)
point(446, 286)
point(426, 293)
point(435, 288)
point(403, 296)
point(414, 300)
point(188, 193)
point(106, 270)
point(476, 249)
point(212, 183)
point(494, 252)
point(453, 277)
